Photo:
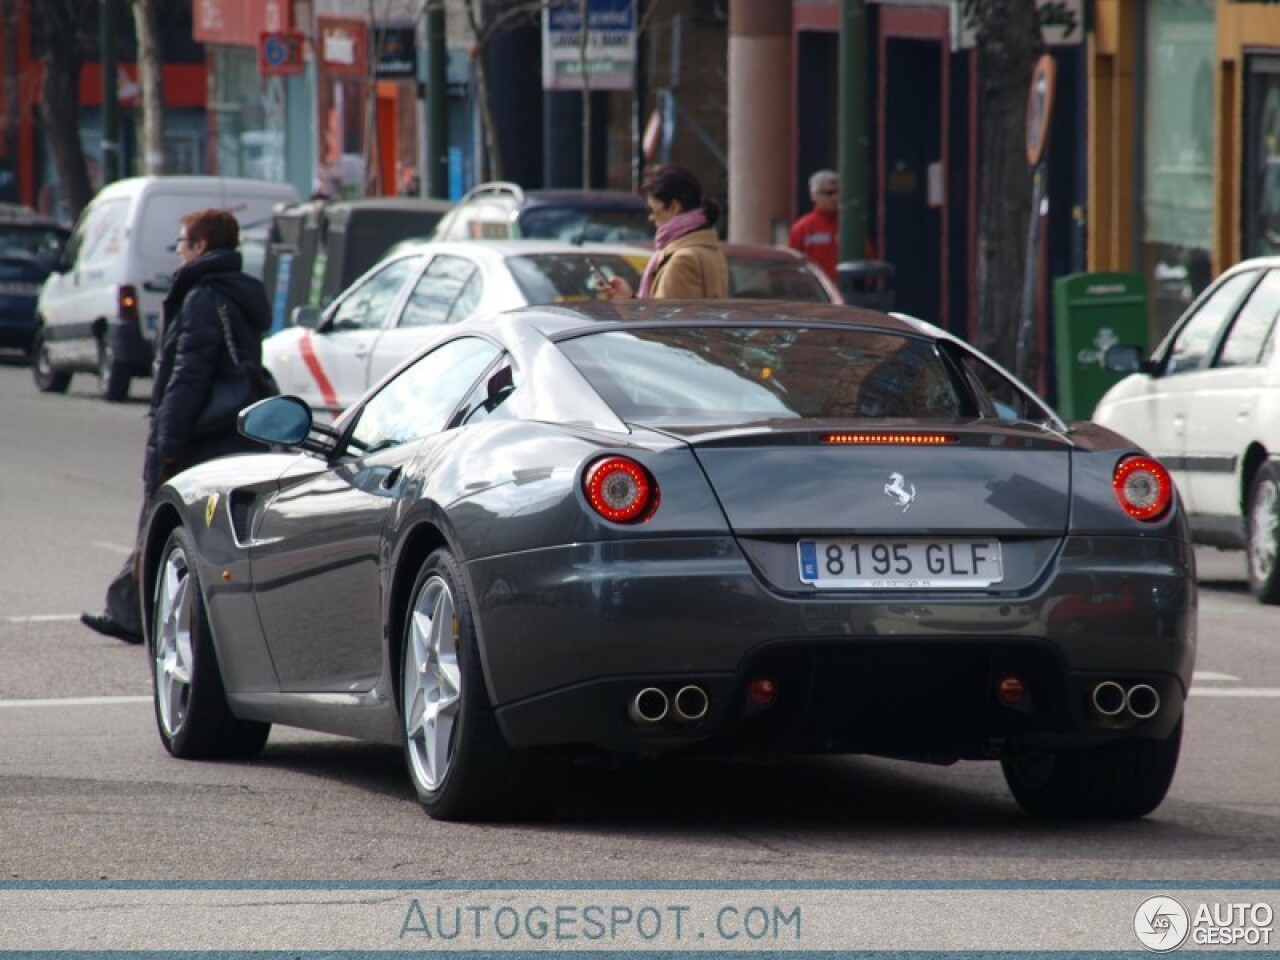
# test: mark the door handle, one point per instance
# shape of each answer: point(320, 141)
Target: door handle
point(392, 478)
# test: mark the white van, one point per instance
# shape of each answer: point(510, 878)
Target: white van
point(99, 311)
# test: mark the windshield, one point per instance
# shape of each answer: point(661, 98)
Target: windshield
point(577, 224)
point(31, 242)
point(557, 277)
point(774, 280)
point(731, 375)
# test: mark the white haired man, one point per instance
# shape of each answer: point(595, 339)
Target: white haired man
point(817, 233)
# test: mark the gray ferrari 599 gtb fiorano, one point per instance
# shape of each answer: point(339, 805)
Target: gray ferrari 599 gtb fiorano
point(655, 527)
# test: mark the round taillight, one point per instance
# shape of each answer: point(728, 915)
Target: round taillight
point(620, 490)
point(1143, 487)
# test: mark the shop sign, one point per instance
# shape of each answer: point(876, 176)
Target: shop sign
point(342, 44)
point(1061, 23)
point(610, 58)
point(238, 23)
point(396, 50)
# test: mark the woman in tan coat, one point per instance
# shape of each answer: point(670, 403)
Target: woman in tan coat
point(687, 263)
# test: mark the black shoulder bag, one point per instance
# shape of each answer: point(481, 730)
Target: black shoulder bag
point(248, 383)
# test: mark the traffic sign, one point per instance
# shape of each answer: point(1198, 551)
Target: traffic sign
point(1039, 107)
point(280, 54)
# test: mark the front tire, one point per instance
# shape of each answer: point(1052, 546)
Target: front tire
point(113, 381)
point(190, 701)
point(1263, 525)
point(47, 378)
point(461, 765)
point(1122, 780)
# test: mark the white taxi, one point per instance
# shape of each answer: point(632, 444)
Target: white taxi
point(1207, 404)
point(414, 295)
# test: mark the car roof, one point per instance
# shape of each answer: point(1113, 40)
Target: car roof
point(501, 249)
point(761, 251)
point(24, 216)
point(557, 319)
point(584, 198)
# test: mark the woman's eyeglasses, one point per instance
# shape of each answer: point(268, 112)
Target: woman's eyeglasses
point(182, 239)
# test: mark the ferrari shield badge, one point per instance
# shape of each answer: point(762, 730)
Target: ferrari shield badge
point(210, 508)
point(897, 488)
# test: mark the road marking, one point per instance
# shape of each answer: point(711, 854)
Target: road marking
point(44, 618)
point(1211, 675)
point(74, 702)
point(1260, 692)
point(113, 547)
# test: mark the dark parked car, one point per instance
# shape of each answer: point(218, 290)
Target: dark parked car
point(314, 250)
point(30, 245)
point(661, 526)
point(505, 211)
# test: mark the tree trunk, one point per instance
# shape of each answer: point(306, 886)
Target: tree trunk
point(150, 85)
point(57, 25)
point(1009, 43)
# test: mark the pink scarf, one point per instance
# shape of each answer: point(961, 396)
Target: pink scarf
point(675, 228)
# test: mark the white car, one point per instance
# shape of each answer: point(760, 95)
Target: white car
point(1207, 404)
point(414, 295)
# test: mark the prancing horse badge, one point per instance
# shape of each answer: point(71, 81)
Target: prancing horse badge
point(897, 488)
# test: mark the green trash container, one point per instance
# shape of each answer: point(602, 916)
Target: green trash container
point(1091, 312)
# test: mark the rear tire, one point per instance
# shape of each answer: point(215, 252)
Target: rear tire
point(191, 709)
point(1263, 526)
point(1122, 780)
point(47, 378)
point(113, 381)
point(461, 765)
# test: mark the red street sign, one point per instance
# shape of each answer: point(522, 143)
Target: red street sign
point(280, 54)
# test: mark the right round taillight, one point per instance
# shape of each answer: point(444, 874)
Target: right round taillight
point(620, 490)
point(1143, 487)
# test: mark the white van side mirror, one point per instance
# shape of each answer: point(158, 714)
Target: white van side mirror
point(159, 283)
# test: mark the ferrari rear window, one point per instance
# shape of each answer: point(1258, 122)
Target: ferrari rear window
point(745, 374)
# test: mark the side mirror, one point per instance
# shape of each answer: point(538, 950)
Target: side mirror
point(1125, 358)
point(282, 420)
point(308, 317)
point(160, 283)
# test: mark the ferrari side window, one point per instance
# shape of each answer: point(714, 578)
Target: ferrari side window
point(418, 402)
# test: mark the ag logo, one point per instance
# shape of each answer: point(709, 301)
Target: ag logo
point(1161, 924)
point(210, 509)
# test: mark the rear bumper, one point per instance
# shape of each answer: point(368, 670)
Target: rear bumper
point(571, 635)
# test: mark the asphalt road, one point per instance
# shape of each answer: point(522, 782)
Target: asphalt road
point(87, 792)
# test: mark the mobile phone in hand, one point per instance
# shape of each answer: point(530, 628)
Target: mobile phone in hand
point(602, 278)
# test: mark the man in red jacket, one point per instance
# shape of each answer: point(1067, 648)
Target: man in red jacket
point(817, 233)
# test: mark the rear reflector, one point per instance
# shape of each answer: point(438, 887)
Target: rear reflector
point(762, 691)
point(890, 439)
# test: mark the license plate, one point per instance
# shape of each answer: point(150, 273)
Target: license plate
point(882, 564)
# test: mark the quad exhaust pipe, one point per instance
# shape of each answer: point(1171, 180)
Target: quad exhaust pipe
point(648, 706)
point(1141, 701)
point(691, 703)
point(651, 705)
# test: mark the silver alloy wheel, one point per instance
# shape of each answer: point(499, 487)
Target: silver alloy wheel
point(432, 683)
point(1263, 526)
point(173, 650)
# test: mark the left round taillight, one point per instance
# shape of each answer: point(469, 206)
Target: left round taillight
point(1143, 487)
point(620, 490)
